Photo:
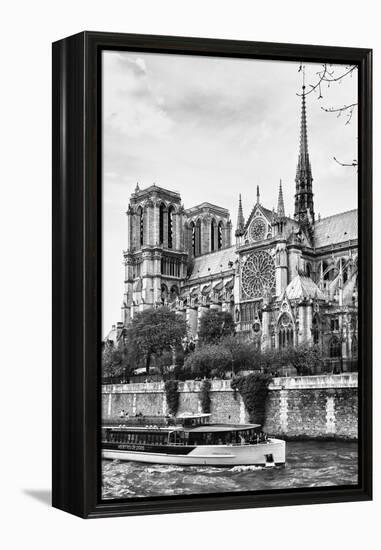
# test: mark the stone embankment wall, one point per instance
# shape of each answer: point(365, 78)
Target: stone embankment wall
point(296, 407)
point(313, 407)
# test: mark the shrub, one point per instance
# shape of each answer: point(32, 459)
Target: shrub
point(172, 396)
point(305, 358)
point(205, 396)
point(214, 326)
point(253, 389)
point(208, 360)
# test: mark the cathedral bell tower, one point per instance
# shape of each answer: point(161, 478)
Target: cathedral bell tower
point(155, 259)
point(304, 201)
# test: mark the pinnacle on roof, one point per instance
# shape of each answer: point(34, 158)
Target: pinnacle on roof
point(240, 219)
point(258, 196)
point(280, 209)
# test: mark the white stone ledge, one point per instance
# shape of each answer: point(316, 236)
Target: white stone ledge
point(347, 380)
point(189, 386)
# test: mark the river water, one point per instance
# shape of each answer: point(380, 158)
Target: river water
point(309, 464)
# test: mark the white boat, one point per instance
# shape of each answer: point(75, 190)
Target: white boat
point(190, 439)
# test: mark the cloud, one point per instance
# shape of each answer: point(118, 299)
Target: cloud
point(212, 128)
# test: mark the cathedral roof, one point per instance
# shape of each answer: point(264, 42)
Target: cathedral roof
point(161, 191)
point(336, 229)
point(207, 206)
point(303, 287)
point(213, 263)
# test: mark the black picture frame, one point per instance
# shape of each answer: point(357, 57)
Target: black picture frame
point(77, 268)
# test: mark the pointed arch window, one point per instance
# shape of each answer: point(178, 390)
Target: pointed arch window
point(171, 231)
point(198, 238)
point(213, 235)
point(164, 293)
point(193, 237)
point(315, 329)
point(334, 347)
point(354, 347)
point(174, 292)
point(161, 223)
point(140, 214)
point(285, 331)
point(219, 238)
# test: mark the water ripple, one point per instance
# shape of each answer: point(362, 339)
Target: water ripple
point(309, 464)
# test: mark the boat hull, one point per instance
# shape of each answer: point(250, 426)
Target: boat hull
point(272, 452)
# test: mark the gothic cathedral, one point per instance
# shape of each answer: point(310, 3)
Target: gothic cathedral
point(286, 281)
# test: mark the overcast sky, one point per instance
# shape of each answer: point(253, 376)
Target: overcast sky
point(211, 128)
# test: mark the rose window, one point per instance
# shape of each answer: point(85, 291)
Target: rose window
point(258, 229)
point(258, 274)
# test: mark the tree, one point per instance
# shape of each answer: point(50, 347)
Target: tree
point(117, 361)
point(208, 360)
point(155, 331)
point(214, 326)
point(243, 355)
point(304, 358)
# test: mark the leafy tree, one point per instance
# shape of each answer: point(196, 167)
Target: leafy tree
point(155, 331)
point(304, 358)
point(208, 360)
point(269, 360)
point(214, 326)
point(242, 354)
point(117, 361)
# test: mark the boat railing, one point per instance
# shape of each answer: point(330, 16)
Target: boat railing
point(141, 421)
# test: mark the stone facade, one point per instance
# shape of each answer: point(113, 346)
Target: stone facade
point(310, 407)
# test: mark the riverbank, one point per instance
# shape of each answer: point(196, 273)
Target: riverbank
point(302, 407)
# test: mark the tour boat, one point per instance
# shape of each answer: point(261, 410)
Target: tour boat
point(190, 439)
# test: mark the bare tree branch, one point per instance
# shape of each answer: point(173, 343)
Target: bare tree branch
point(328, 76)
point(351, 164)
point(347, 109)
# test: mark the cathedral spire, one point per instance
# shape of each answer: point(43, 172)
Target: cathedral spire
point(280, 209)
point(304, 202)
point(240, 219)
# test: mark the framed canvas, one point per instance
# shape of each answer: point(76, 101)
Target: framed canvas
point(212, 276)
